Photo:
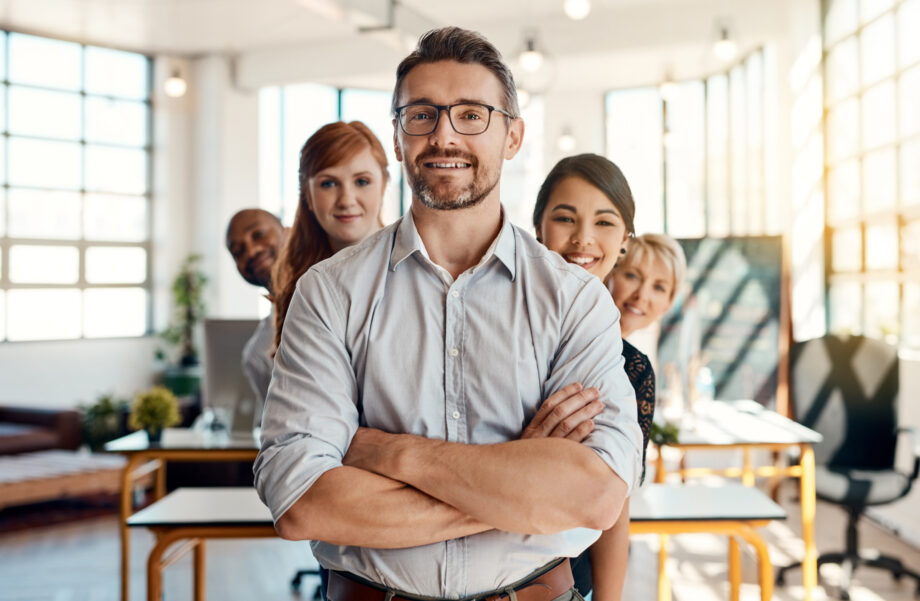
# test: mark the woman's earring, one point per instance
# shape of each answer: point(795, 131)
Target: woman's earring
point(622, 250)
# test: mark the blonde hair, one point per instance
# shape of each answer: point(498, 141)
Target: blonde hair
point(657, 246)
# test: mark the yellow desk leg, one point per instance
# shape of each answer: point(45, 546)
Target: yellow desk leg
point(126, 508)
point(807, 482)
point(734, 569)
point(763, 559)
point(659, 464)
point(664, 585)
point(747, 472)
point(199, 571)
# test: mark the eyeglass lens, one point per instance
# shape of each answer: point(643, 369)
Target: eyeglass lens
point(422, 119)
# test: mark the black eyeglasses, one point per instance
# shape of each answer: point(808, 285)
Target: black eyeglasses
point(467, 118)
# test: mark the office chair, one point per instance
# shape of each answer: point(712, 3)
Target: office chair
point(846, 388)
point(296, 583)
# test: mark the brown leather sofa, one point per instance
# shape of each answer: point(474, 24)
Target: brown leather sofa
point(24, 429)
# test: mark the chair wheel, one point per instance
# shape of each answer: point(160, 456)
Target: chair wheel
point(780, 578)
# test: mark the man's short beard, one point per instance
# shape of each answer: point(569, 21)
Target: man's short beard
point(469, 197)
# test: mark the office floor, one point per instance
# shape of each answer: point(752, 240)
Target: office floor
point(78, 562)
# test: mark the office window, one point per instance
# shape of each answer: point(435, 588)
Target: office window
point(872, 83)
point(696, 161)
point(74, 190)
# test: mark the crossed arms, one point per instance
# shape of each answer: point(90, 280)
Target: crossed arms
point(401, 490)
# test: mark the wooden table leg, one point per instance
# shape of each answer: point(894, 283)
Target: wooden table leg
point(808, 494)
point(125, 511)
point(199, 571)
point(734, 569)
point(664, 584)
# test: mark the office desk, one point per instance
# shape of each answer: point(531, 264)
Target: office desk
point(177, 444)
point(192, 515)
point(746, 425)
point(730, 509)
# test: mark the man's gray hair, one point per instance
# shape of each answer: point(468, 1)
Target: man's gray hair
point(463, 46)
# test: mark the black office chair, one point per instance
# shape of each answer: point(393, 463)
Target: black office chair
point(298, 578)
point(846, 388)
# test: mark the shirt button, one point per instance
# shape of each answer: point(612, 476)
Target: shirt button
point(455, 415)
point(454, 352)
point(455, 294)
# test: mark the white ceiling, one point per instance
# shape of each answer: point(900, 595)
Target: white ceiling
point(622, 42)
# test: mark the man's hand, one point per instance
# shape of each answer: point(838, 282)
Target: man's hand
point(369, 449)
point(567, 413)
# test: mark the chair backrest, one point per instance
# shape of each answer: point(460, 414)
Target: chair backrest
point(846, 388)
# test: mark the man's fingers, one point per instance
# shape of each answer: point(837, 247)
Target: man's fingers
point(560, 395)
point(582, 431)
point(577, 417)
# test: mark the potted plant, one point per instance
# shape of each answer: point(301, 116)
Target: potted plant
point(103, 420)
point(189, 308)
point(154, 410)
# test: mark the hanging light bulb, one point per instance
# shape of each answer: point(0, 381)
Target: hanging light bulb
point(725, 48)
point(668, 88)
point(566, 141)
point(576, 9)
point(175, 86)
point(531, 58)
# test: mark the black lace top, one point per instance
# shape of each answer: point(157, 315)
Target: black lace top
point(642, 377)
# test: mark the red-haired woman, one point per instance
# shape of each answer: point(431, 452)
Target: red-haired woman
point(343, 175)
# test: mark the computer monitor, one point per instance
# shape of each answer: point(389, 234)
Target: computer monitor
point(225, 389)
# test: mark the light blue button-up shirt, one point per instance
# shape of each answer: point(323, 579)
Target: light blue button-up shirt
point(380, 336)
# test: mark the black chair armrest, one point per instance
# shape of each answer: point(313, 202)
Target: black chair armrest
point(915, 448)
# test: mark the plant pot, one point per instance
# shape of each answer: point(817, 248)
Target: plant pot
point(154, 435)
point(182, 381)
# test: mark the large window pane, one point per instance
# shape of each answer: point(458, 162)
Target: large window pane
point(43, 314)
point(2, 78)
point(44, 113)
point(2, 214)
point(909, 90)
point(306, 108)
point(44, 164)
point(114, 312)
point(116, 121)
point(846, 308)
point(44, 264)
point(842, 131)
point(271, 174)
point(880, 179)
point(372, 107)
point(882, 246)
point(116, 73)
point(842, 78)
point(910, 174)
point(841, 19)
point(116, 265)
point(876, 49)
point(684, 154)
point(44, 214)
point(843, 191)
point(119, 170)
point(115, 218)
point(910, 246)
point(44, 62)
point(717, 186)
point(869, 9)
point(634, 131)
point(847, 249)
point(878, 115)
point(882, 310)
point(908, 26)
point(2, 312)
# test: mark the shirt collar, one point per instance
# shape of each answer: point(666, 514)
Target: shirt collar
point(409, 242)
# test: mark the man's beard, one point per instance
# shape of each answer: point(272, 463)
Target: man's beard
point(264, 281)
point(473, 194)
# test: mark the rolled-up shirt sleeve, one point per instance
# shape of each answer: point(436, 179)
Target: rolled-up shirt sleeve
point(310, 413)
point(591, 352)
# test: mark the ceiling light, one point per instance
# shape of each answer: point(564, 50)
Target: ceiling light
point(175, 86)
point(668, 88)
point(725, 48)
point(566, 142)
point(531, 58)
point(576, 9)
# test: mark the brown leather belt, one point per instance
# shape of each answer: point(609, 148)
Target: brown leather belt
point(545, 586)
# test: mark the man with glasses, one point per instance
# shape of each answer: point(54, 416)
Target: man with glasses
point(410, 363)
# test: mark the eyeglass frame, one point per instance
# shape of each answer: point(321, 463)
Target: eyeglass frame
point(448, 107)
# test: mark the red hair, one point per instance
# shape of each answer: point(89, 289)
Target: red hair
point(307, 242)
